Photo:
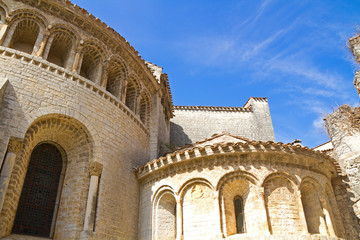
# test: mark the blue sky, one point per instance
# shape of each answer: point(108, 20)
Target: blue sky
point(221, 52)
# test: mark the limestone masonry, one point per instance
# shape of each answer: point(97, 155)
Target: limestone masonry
point(92, 147)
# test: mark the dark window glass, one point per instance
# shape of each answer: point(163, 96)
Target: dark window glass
point(239, 214)
point(37, 201)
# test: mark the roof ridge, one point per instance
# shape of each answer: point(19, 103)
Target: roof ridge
point(212, 108)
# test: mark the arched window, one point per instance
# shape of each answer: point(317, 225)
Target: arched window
point(91, 63)
point(25, 36)
point(132, 91)
point(144, 108)
point(116, 76)
point(239, 214)
point(61, 47)
point(36, 210)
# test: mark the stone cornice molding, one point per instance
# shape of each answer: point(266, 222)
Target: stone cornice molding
point(274, 153)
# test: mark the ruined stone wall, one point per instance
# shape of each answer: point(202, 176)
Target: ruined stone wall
point(192, 124)
point(344, 129)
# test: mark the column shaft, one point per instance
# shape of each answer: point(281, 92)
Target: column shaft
point(5, 175)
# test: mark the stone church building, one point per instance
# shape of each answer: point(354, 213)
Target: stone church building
point(92, 147)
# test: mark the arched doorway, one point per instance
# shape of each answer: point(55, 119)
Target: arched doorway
point(36, 210)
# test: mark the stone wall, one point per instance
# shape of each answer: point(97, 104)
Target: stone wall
point(40, 92)
point(192, 124)
point(276, 188)
point(344, 129)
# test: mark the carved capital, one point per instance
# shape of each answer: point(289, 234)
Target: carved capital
point(15, 145)
point(95, 168)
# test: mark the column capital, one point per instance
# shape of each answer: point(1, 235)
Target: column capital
point(15, 145)
point(95, 168)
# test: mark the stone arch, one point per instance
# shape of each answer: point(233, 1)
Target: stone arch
point(164, 217)
point(249, 176)
point(132, 92)
point(92, 56)
point(244, 185)
point(200, 215)
point(281, 174)
point(313, 211)
point(145, 107)
point(26, 30)
point(60, 48)
point(78, 116)
point(78, 144)
point(116, 76)
point(282, 203)
point(192, 181)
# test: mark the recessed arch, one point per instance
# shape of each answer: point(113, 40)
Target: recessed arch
point(116, 76)
point(145, 107)
point(78, 144)
point(200, 215)
point(39, 200)
point(132, 93)
point(164, 214)
point(26, 30)
point(312, 207)
point(239, 185)
point(93, 54)
point(282, 203)
point(61, 44)
point(333, 210)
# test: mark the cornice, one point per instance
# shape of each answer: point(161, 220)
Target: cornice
point(239, 148)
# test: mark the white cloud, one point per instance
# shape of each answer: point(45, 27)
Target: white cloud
point(319, 124)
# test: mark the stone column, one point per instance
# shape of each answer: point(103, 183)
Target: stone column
point(98, 74)
point(76, 63)
point(105, 74)
point(3, 31)
point(264, 215)
point(38, 42)
point(179, 223)
point(304, 228)
point(42, 45)
point(123, 91)
point(328, 223)
point(223, 217)
point(95, 171)
point(47, 47)
point(217, 231)
point(14, 147)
